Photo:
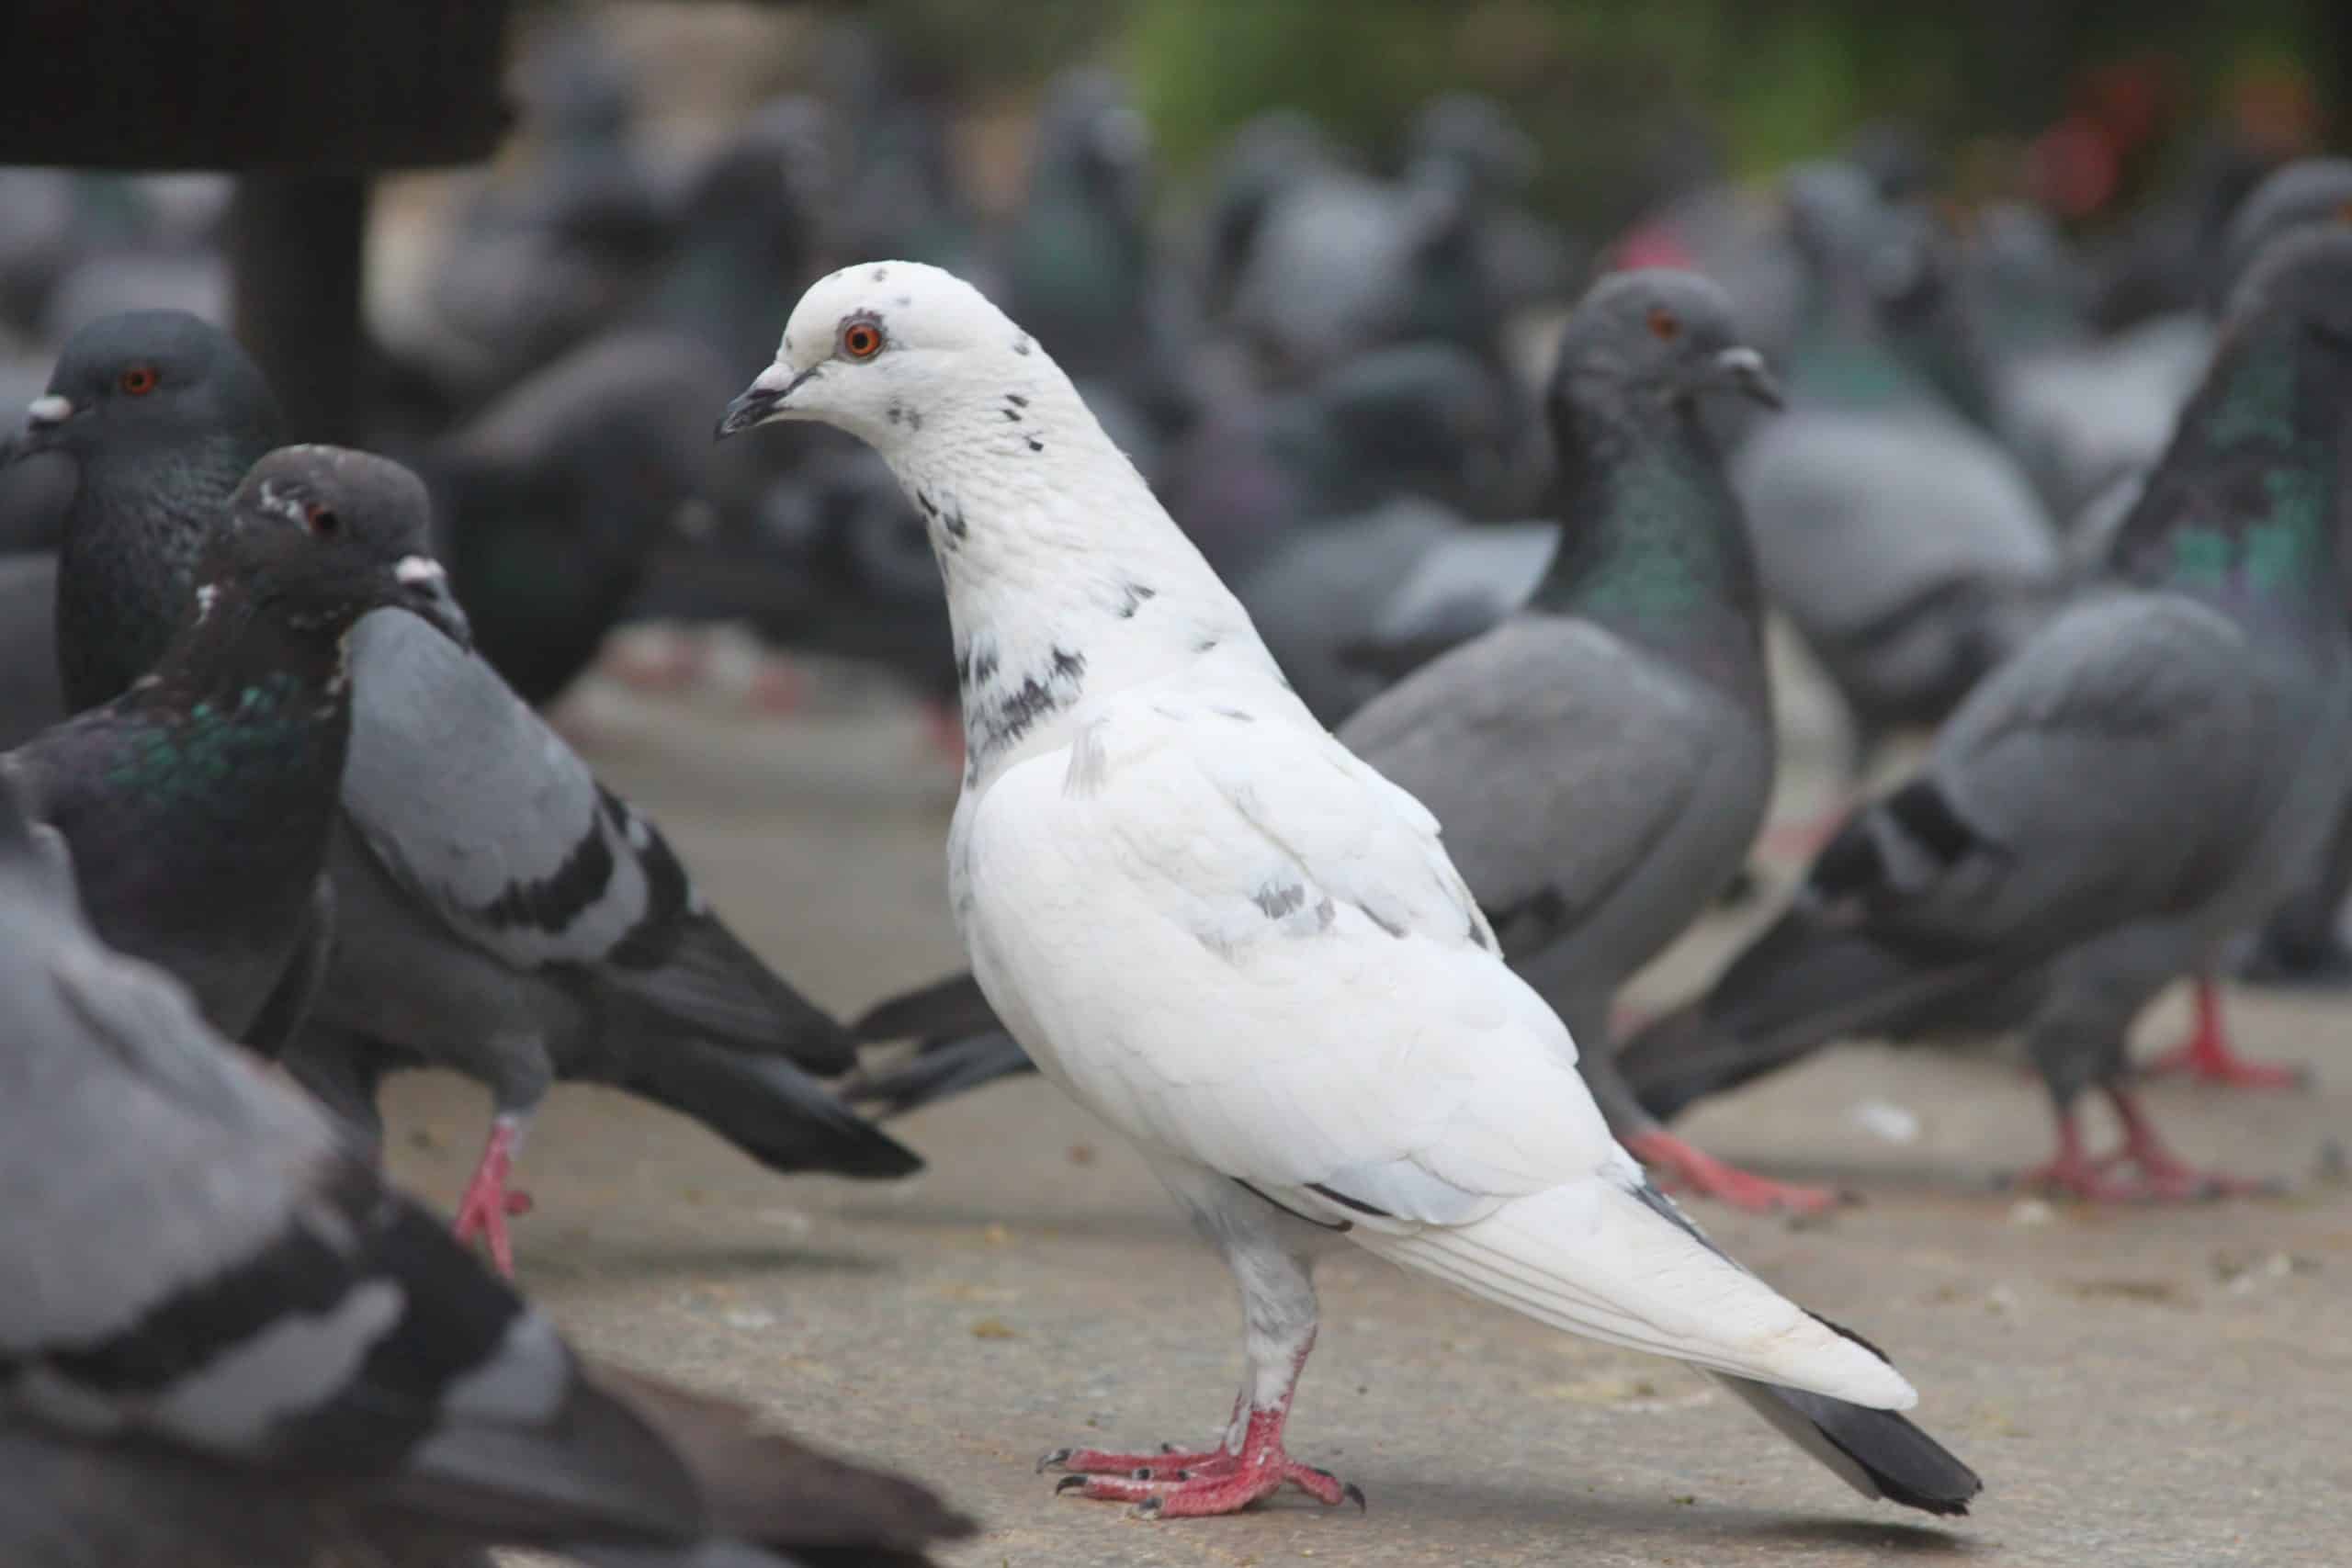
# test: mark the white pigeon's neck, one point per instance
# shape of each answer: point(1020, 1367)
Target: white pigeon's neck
point(1066, 580)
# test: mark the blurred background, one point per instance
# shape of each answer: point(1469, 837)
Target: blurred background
point(1307, 260)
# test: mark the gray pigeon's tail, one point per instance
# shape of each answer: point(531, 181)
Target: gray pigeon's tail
point(1803, 985)
point(944, 1009)
point(767, 1108)
point(1877, 1452)
point(709, 981)
point(943, 1069)
point(964, 1046)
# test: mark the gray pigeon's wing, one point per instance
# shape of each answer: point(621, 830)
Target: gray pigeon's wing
point(2121, 762)
point(290, 1001)
point(1554, 755)
point(482, 812)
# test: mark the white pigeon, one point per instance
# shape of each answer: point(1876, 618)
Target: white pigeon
point(1217, 928)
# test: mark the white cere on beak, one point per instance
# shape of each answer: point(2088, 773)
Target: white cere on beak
point(49, 408)
point(413, 570)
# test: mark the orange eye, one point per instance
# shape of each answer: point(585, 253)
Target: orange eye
point(1663, 326)
point(322, 519)
point(861, 340)
point(138, 382)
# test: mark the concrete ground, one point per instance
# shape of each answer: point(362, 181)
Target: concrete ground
point(2138, 1387)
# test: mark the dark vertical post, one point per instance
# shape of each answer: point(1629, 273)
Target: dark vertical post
point(295, 250)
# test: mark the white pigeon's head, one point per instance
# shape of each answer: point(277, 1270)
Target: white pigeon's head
point(881, 349)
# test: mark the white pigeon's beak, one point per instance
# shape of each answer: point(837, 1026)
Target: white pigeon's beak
point(764, 399)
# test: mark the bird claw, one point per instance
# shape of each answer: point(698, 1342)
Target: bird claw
point(1070, 1483)
point(1052, 1457)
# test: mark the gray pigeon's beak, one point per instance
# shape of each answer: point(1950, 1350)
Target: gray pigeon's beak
point(425, 589)
point(44, 417)
point(763, 400)
point(1742, 370)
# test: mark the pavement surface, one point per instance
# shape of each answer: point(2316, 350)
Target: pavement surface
point(2145, 1386)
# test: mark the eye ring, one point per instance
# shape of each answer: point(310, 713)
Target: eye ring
point(137, 380)
point(861, 339)
point(322, 519)
point(1663, 324)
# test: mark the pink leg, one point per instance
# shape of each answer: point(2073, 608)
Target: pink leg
point(944, 729)
point(779, 687)
point(1680, 1164)
point(2144, 1171)
point(666, 660)
point(484, 1208)
point(1802, 838)
point(2207, 1055)
point(1218, 1482)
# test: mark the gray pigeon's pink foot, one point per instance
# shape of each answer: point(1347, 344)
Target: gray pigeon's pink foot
point(2208, 1056)
point(487, 1203)
point(2144, 1170)
point(1684, 1166)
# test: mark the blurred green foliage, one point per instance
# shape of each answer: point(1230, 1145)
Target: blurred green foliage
point(1626, 96)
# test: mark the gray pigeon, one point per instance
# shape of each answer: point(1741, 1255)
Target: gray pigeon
point(198, 803)
point(498, 910)
point(1602, 758)
point(2302, 942)
point(2138, 787)
point(272, 1361)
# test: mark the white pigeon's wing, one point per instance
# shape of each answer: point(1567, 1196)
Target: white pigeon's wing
point(1243, 947)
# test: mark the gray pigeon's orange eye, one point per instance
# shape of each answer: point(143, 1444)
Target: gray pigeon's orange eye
point(1663, 326)
point(138, 380)
point(861, 340)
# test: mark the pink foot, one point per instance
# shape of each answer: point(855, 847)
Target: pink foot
point(2144, 1171)
point(2207, 1055)
point(657, 662)
point(1206, 1482)
point(1680, 1165)
point(943, 726)
point(487, 1203)
point(778, 688)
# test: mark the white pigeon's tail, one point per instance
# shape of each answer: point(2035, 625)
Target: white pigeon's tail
point(1616, 1261)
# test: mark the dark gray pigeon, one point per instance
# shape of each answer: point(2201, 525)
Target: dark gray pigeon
point(272, 1361)
point(498, 910)
point(198, 803)
point(161, 414)
point(2137, 788)
point(1602, 760)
